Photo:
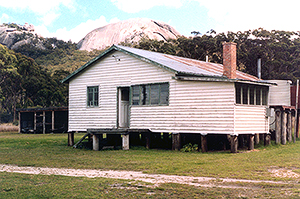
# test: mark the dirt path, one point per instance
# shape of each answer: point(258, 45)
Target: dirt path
point(155, 179)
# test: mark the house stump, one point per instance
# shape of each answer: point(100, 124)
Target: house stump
point(96, 142)
point(289, 126)
point(277, 125)
point(233, 143)
point(297, 121)
point(70, 138)
point(251, 142)
point(125, 141)
point(176, 141)
point(294, 124)
point(204, 143)
point(267, 139)
point(283, 127)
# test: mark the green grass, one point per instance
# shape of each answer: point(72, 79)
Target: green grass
point(51, 150)
point(14, 185)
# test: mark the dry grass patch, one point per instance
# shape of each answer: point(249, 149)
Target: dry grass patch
point(8, 128)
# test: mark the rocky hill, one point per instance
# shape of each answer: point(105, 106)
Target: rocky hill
point(16, 36)
point(13, 36)
point(128, 31)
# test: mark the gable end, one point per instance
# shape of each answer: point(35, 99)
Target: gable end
point(111, 49)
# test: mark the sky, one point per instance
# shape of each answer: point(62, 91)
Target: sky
point(74, 19)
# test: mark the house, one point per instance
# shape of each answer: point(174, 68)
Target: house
point(128, 90)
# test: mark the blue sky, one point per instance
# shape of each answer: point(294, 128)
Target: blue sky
point(73, 19)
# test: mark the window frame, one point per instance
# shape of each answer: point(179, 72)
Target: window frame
point(260, 94)
point(145, 94)
point(95, 92)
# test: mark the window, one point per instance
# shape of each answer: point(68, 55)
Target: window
point(146, 94)
point(125, 94)
point(154, 96)
point(92, 96)
point(251, 94)
point(238, 96)
point(258, 95)
point(135, 95)
point(245, 94)
point(150, 94)
point(264, 96)
point(164, 94)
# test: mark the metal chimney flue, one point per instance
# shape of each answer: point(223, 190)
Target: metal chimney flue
point(259, 68)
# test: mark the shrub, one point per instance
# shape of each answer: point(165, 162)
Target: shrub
point(189, 147)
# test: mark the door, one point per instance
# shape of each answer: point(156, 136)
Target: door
point(123, 113)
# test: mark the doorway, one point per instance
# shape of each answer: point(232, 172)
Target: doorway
point(123, 107)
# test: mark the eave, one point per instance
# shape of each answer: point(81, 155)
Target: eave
point(220, 79)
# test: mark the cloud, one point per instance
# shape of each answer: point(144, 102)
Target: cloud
point(47, 11)
point(49, 18)
point(4, 17)
point(77, 33)
point(134, 6)
point(232, 15)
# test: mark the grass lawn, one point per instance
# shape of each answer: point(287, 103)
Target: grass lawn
point(38, 186)
point(51, 150)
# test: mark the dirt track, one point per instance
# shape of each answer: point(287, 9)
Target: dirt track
point(155, 179)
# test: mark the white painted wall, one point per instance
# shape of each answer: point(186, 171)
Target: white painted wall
point(202, 107)
point(109, 74)
point(251, 119)
point(280, 94)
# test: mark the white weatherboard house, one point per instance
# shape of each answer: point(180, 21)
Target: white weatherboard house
point(130, 89)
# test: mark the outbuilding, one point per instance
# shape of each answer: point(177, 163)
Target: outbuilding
point(126, 90)
point(43, 120)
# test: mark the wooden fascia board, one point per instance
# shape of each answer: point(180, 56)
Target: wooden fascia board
point(86, 65)
point(264, 83)
point(220, 79)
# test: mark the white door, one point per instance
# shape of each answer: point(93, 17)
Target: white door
point(124, 107)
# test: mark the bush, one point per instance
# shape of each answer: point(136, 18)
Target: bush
point(189, 147)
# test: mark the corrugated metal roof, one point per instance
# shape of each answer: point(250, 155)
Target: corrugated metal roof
point(187, 66)
point(178, 65)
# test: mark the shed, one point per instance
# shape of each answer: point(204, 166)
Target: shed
point(43, 120)
point(133, 89)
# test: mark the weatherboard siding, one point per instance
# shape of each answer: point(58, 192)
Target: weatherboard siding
point(204, 107)
point(109, 74)
point(194, 107)
point(251, 119)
